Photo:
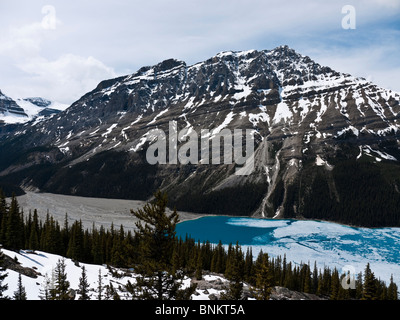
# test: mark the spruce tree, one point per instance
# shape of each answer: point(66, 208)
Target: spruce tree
point(199, 265)
point(3, 216)
point(20, 293)
point(248, 265)
point(263, 278)
point(335, 283)
point(392, 290)
point(234, 273)
point(3, 275)
point(83, 288)
point(156, 234)
point(61, 283)
point(369, 287)
point(45, 290)
point(14, 227)
point(33, 236)
point(100, 286)
point(111, 293)
point(75, 244)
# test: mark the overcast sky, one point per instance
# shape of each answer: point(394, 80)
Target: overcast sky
point(61, 49)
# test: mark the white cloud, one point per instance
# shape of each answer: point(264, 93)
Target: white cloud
point(370, 62)
point(65, 79)
point(388, 3)
point(129, 34)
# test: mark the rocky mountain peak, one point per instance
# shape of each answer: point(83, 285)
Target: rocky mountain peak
point(307, 121)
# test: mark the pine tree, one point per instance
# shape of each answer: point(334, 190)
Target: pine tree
point(75, 244)
point(100, 286)
point(3, 275)
point(218, 262)
point(335, 283)
point(248, 265)
point(33, 240)
point(14, 227)
point(392, 290)
point(199, 265)
point(20, 293)
point(111, 293)
point(45, 290)
point(234, 273)
point(156, 234)
point(3, 216)
point(97, 250)
point(369, 288)
point(61, 283)
point(83, 288)
point(263, 278)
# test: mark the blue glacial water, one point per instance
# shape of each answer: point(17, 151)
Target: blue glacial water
point(326, 243)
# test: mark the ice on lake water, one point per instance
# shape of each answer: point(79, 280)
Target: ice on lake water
point(329, 244)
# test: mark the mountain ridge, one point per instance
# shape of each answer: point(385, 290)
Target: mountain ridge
point(22, 110)
point(310, 124)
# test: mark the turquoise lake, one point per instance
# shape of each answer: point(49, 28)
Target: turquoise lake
point(302, 241)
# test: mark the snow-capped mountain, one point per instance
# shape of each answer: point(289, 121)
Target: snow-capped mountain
point(318, 133)
point(24, 110)
point(10, 111)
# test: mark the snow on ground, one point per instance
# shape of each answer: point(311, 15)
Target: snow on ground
point(45, 263)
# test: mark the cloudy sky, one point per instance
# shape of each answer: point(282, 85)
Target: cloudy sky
point(61, 49)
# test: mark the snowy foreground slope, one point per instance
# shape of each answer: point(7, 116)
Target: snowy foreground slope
point(44, 264)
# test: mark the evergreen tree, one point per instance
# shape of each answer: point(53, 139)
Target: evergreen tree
point(263, 278)
point(235, 273)
point(83, 288)
point(20, 293)
point(335, 284)
point(97, 250)
point(156, 234)
point(248, 265)
point(218, 262)
point(369, 288)
point(61, 283)
point(392, 290)
point(45, 290)
point(3, 275)
point(14, 227)
point(75, 244)
point(100, 286)
point(199, 265)
point(111, 293)
point(305, 274)
point(3, 216)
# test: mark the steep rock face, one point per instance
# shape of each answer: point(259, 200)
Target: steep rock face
point(24, 110)
point(9, 107)
point(317, 133)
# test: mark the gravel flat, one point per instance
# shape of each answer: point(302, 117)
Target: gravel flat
point(89, 210)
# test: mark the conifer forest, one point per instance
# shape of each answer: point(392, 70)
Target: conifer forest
point(161, 259)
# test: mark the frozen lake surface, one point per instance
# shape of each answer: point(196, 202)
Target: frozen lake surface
point(330, 244)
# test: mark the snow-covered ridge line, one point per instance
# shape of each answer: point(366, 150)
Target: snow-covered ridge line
point(23, 110)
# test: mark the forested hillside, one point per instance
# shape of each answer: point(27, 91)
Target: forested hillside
point(154, 249)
